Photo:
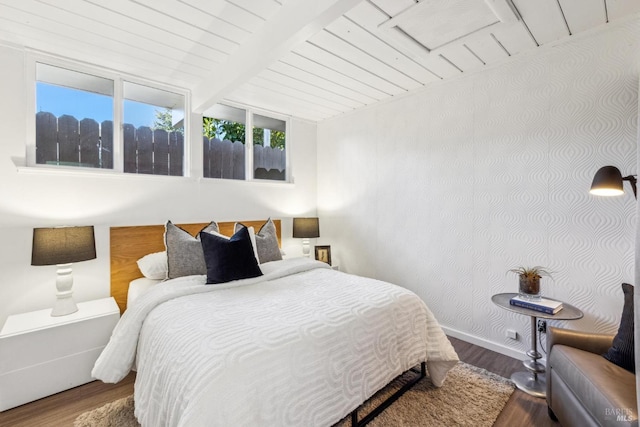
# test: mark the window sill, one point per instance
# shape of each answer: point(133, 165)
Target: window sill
point(264, 182)
point(45, 170)
point(102, 173)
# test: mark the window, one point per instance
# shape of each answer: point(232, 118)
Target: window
point(229, 150)
point(153, 130)
point(74, 118)
point(224, 142)
point(75, 123)
point(269, 143)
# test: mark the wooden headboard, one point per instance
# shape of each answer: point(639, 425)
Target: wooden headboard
point(129, 244)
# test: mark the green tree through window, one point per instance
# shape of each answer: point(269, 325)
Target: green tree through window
point(276, 138)
point(234, 131)
point(223, 129)
point(164, 121)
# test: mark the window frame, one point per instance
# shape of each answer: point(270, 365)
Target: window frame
point(248, 159)
point(118, 79)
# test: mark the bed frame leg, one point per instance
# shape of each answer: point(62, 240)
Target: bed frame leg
point(389, 401)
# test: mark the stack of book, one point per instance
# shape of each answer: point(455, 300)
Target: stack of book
point(542, 305)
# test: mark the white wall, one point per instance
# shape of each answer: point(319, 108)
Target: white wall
point(39, 199)
point(445, 190)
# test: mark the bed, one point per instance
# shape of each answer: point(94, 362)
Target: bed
point(298, 345)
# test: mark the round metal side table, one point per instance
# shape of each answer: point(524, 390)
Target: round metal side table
point(533, 380)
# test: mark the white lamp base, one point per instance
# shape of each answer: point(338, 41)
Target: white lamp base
point(64, 283)
point(306, 248)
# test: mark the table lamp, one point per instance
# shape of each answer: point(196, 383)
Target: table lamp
point(62, 246)
point(306, 228)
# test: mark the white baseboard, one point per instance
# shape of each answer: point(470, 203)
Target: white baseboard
point(490, 345)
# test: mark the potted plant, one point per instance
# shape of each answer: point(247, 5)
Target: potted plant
point(530, 280)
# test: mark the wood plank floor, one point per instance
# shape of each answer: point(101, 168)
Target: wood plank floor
point(61, 409)
point(521, 409)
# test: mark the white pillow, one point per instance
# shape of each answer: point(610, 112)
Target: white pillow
point(138, 287)
point(154, 266)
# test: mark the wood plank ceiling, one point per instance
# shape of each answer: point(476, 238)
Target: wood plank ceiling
point(312, 59)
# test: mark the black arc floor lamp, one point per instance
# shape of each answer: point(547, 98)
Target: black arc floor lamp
point(608, 181)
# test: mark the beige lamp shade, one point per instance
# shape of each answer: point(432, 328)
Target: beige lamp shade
point(306, 228)
point(62, 245)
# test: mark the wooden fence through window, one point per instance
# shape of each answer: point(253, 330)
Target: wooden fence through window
point(66, 141)
point(225, 159)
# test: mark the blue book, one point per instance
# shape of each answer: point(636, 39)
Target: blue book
point(542, 305)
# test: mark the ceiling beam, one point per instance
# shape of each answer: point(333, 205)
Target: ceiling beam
point(295, 22)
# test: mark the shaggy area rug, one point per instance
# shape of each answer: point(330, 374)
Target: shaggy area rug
point(470, 396)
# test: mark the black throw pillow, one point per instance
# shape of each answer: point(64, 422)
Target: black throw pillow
point(229, 259)
point(622, 351)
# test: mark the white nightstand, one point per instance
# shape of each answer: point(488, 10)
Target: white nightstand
point(41, 355)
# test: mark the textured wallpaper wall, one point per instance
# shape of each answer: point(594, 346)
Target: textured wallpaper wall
point(445, 190)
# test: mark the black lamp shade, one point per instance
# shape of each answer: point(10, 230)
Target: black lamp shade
point(607, 182)
point(306, 228)
point(62, 245)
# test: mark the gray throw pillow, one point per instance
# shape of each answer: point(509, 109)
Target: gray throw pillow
point(184, 252)
point(266, 242)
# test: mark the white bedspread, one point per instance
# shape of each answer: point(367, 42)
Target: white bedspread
point(302, 345)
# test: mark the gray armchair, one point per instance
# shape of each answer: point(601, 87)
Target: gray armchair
point(583, 388)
